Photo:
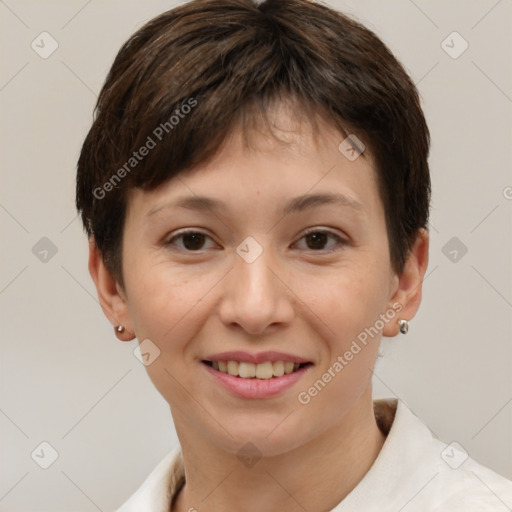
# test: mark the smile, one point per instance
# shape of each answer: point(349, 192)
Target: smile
point(265, 370)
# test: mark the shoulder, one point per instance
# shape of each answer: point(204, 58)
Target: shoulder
point(158, 489)
point(471, 486)
point(417, 471)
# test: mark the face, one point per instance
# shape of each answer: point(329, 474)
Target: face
point(289, 261)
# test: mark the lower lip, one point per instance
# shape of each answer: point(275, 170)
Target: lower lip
point(256, 388)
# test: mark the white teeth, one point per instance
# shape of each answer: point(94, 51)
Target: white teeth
point(264, 371)
point(246, 370)
point(288, 367)
point(278, 369)
point(233, 368)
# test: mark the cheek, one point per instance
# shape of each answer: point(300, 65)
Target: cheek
point(349, 305)
point(167, 308)
point(161, 302)
point(349, 298)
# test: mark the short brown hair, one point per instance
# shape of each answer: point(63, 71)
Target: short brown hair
point(192, 73)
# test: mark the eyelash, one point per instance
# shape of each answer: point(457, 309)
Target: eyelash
point(341, 241)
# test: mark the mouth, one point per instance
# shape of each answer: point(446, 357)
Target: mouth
point(266, 370)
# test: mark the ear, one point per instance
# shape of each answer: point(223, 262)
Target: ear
point(409, 284)
point(110, 294)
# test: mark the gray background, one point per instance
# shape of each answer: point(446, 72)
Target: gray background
point(66, 379)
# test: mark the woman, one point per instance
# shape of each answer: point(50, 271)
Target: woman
point(255, 189)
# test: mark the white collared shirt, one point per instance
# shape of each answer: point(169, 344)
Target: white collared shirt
point(414, 471)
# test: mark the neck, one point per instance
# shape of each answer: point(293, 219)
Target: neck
point(314, 477)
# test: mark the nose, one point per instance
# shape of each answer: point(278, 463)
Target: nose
point(255, 297)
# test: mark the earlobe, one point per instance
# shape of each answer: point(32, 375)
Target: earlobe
point(409, 288)
point(110, 294)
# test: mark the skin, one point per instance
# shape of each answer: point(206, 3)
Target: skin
point(300, 297)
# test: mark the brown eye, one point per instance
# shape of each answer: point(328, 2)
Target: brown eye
point(317, 239)
point(192, 241)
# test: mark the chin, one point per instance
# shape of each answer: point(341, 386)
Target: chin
point(268, 438)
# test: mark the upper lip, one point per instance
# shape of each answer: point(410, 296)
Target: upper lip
point(256, 358)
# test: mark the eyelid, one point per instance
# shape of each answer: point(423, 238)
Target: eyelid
point(327, 231)
point(340, 240)
point(320, 230)
point(168, 240)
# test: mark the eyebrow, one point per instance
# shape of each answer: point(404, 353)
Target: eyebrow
point(295, 205)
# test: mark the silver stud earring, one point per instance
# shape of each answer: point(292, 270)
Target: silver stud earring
point(404, 326)
point(119, 329)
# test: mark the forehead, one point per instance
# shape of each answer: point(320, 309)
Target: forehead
point(293, 156)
